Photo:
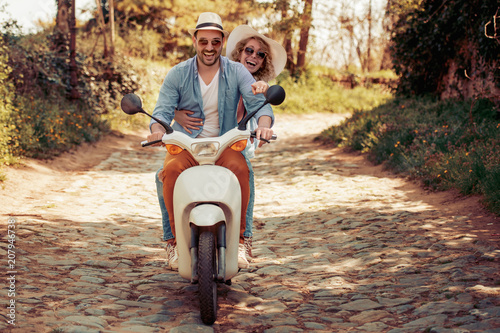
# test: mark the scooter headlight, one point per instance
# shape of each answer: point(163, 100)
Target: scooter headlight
point(205, 148)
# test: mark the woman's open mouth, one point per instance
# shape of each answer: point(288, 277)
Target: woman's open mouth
point(251, 64)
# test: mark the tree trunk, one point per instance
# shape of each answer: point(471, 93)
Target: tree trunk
point(304, 35)
point(62, 19)
point(112, 25)
point(72, 55)
point(61, 33)
point(369, 43)
point(290, 63)
point(102, 25)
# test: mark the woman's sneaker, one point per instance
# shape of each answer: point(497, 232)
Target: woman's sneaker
point(172, 256)
point(242, 259)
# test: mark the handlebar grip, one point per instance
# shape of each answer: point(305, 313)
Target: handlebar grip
point(273, 137)
point(146, 143)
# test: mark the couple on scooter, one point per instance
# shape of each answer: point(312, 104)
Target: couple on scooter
point(207, 95)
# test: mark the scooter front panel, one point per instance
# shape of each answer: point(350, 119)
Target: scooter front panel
point(214, 185)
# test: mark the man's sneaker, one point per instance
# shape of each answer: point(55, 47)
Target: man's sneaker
point(242, 260)
point(172, 256)
point(248, 248)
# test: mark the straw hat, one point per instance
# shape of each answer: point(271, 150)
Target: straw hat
point(278, 53)
point(209, 21)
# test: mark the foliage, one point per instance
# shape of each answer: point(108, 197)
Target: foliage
point(315, 91)
point(44, 127)
point(43, 120)
point(7, 95)
point(445, 144)
point(159, 29)
point(150, 76)
point(430, 33)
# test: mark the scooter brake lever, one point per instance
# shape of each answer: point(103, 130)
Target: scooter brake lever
point(146, 143)
point(273, 137)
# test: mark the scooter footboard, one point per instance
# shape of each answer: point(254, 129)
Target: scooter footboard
point(206, 195)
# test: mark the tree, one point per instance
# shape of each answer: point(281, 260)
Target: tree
point(102, 24)
point(66, 31)
point(304, 34)
point(112, 25)
point(74, 94)
point(292, 24)
point(60, 36)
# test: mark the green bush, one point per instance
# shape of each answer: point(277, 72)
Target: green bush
point(445, 144)
point(429, 34)
point(42, 119)
point(7, 95)
point(315, 93)
point(46, 127)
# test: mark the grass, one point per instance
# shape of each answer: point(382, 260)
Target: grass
point(319, 93)
point(444, 144)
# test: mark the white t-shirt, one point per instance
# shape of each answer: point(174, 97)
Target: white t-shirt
point(210, 94)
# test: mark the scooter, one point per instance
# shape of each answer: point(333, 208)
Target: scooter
point(207, 204)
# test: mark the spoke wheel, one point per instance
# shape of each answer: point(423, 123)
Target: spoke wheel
point(207, 287)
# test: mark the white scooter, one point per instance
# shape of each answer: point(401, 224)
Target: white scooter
point(207, 204)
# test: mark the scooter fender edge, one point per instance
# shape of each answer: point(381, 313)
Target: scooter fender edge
point(206, 215)
point(219, 188)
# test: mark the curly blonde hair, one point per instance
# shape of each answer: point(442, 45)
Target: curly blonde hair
point(266, 71)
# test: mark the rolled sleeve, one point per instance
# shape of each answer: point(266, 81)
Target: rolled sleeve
point(168, 99)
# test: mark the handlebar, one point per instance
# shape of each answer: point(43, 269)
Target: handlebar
point(146, 143)
point(252, 135)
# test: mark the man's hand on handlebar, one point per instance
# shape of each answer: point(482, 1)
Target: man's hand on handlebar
point(264, 132)
point(157, 132)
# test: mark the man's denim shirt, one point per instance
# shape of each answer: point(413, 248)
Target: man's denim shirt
point(181, 90)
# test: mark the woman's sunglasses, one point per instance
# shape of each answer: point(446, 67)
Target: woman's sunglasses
point(249, 51)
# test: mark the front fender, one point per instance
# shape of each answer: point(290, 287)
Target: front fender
point(206, 215)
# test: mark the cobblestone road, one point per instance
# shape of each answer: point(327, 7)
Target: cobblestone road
point(338, 247)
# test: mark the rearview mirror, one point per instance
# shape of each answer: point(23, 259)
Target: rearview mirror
point(131, 104)
point(275, 95)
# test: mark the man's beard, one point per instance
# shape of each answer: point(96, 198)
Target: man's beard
point(211, 60)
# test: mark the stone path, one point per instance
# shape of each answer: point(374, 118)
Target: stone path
point(338, 247)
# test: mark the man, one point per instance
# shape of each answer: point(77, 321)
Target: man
point(209, 85)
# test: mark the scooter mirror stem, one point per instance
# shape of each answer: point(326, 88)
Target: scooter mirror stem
point(242, 126)
point(275, 95)
point(166, 126)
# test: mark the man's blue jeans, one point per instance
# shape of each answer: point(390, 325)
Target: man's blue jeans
point(167, 231)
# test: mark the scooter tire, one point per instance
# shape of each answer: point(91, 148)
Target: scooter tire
point(207, 287)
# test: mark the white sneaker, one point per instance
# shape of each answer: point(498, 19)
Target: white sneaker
point(242, 260)
point(172, 257)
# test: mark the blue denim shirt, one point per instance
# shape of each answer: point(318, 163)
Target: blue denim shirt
point(181, 90)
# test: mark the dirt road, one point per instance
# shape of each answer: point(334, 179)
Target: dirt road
point(340, 245)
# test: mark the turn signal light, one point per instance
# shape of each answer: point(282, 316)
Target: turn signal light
point(173, 149)
point(239, 145)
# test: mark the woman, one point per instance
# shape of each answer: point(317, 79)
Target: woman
point(265, 59)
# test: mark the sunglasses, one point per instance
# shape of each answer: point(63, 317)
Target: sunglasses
point(249, 51)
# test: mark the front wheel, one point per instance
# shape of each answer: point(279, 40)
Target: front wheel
point(207, 287)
